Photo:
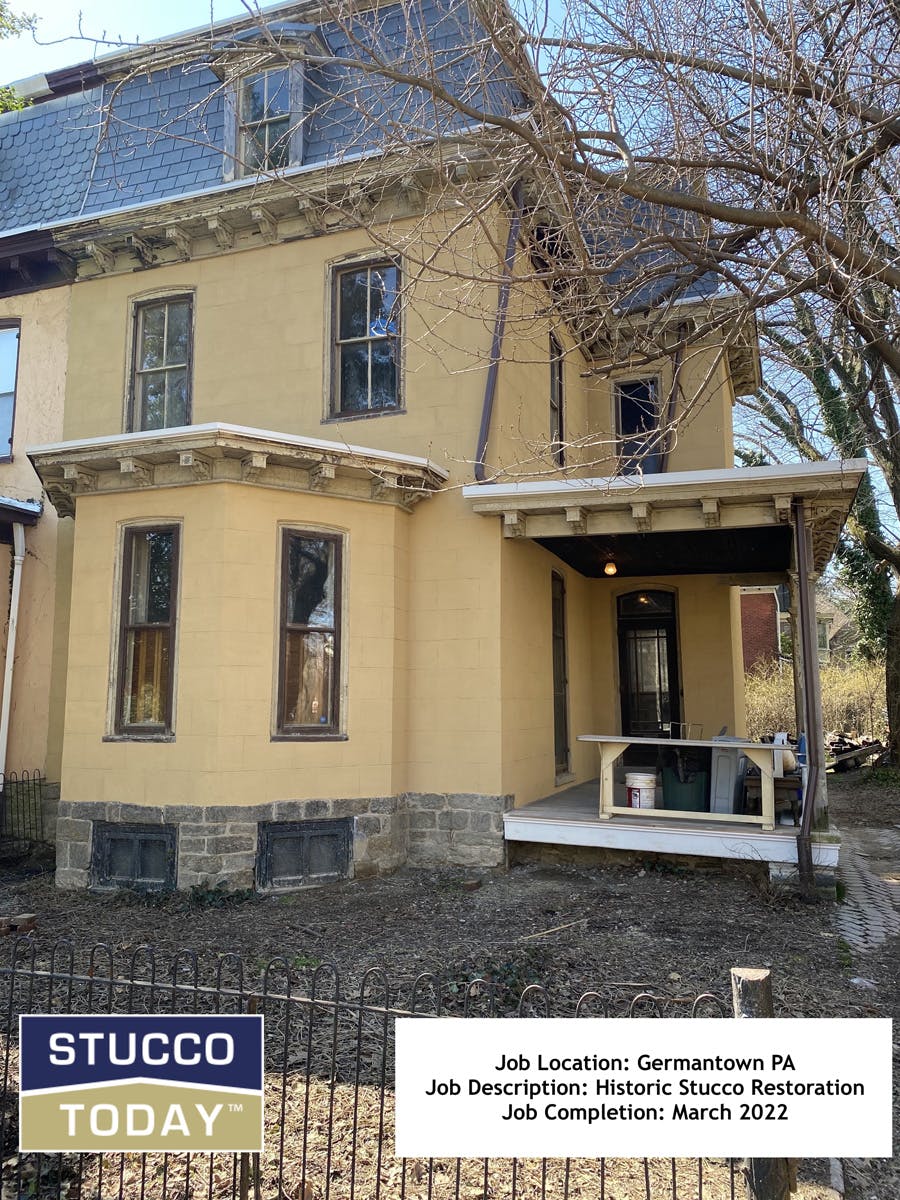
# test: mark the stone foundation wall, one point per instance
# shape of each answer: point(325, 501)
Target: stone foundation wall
point(218, 844)
point(461, 829)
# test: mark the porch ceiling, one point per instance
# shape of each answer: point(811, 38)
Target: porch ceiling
point(735, 521)
point(700, 552)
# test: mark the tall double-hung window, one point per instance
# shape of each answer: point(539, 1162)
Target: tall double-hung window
point(366, 367)
point(147, 631)
point(9, 364)
point(161, 377)
point(309, 657)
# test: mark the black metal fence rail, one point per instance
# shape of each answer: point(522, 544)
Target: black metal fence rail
point(21, 808)
point(329, 1058)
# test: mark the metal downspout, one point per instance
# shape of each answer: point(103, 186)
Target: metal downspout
point(15, 593)
point(673, 394)
point(806, 609)
point(490, 383)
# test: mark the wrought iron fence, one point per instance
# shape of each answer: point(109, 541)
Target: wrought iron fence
point(329, 1056)
point(21, 809)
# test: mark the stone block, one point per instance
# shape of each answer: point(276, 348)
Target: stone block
point(176, 814)
point(64, 809)
point(474, 856)
point(483, 822)
point(346, 808)
point(384, 804)
point(192, 829)
point(425, 801)
point(73, 829)
point(364, 870)
point(203, 864)
point(70, 878)
point(291, 810)
point(249, 830)
point(92, 810)
point(79, 855)
point(422, 820)
point(223, 844)
point(454, 819)
point(192, 845)
point(239, 812)
point(367, 825)
point(473, 802)
point(142, 814)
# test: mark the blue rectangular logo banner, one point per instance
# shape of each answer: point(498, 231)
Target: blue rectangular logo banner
point(137, 1082)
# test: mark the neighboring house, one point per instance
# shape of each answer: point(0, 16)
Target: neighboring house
point(307, 637)
point(766, 626)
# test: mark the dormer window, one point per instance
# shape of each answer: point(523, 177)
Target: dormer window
point(265, 113)
point(266, 116)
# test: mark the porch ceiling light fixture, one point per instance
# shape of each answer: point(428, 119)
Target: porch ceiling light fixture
point(610, 568)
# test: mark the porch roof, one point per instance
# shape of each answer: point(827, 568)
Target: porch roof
point(735, 520)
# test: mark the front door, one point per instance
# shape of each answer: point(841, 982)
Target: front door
point(648, 664)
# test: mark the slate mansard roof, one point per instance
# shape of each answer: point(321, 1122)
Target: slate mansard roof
point(160, 134)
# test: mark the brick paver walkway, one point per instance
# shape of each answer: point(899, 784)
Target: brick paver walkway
point(870, 871)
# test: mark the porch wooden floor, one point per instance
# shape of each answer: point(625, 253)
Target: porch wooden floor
point(570, 818)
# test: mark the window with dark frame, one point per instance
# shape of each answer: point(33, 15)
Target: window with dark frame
point(161, 384)
point(557, 403)
point(265, 119)
point(133, 855)
point(366, 370)
point(9, 367)
point(309, 667)
point(637, 426)
point(294, 854)
point(147, 631)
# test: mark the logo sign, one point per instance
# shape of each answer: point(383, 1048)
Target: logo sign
point(147, 1083)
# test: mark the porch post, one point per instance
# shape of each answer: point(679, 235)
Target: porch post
point(815, 732)
point(796, 648)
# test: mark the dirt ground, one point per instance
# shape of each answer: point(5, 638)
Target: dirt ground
point(642, 926)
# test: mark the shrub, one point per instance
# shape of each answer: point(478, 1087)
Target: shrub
point(853, 699)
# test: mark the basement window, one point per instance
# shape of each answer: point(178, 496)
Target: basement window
point(136, 856)
point(296, 854)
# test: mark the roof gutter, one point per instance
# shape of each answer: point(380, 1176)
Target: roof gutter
point(490, 383)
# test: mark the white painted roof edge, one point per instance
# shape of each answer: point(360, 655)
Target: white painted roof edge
point(29, 506)
point(810, 471)
point(226, 430)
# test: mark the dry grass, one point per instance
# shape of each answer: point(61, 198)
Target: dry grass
point(853, 699)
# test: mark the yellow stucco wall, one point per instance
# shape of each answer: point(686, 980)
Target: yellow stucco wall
point(38, 418)
point(447, 651)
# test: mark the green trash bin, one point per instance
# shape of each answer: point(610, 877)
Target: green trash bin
point(685, 795)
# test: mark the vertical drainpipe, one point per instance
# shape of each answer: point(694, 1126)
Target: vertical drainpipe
point(490, 385)
point(669, 427)
point(18, 560)
point(814, 755)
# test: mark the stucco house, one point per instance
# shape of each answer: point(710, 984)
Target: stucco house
point(358, 561)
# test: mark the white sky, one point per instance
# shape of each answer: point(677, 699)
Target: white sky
point(56, 42)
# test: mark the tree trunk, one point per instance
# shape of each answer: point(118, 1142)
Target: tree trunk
point(892, 672)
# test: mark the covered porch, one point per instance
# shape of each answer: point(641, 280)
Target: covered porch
point(653, 561)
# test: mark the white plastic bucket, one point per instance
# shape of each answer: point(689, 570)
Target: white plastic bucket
point(641, 790)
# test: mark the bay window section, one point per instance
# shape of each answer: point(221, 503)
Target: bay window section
point(309, 667)
point(147, 632)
